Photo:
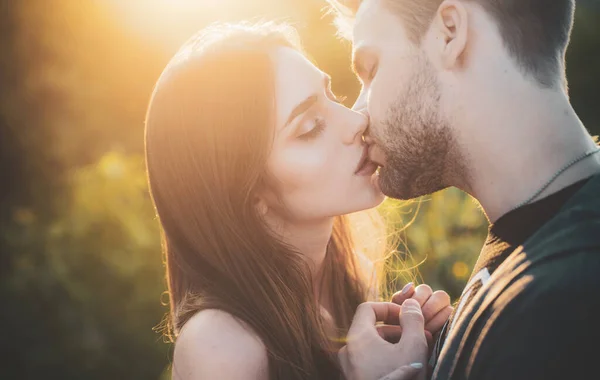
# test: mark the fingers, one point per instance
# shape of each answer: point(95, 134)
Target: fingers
point(422, 293)
point(436, 323)
point(407, 372)
point(369, 313)
point(413, 342)
point(390, 333)
point(404, 294)
point(393, 333)
point(411, 319)
point(435, 303)
point(429, 338)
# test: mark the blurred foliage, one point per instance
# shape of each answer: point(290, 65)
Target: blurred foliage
point(81, 274)
point(441, 235)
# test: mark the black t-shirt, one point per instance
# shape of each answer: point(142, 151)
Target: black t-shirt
point(509, 232)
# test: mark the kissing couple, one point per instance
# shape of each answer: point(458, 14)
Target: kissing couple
point(264, 186)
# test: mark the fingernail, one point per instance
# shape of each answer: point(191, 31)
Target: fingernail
point(407, 288)
point(416, 365)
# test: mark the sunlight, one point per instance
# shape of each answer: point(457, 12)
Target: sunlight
point(180, 7)
point(170, 21)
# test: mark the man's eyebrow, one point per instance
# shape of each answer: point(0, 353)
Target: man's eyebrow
point(301, 108)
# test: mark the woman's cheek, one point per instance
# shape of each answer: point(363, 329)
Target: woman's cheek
point(304, 165)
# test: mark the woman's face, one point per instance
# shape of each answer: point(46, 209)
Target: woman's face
point(318, 157)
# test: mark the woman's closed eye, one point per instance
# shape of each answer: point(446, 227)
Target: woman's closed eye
point(318, 124)
point(318, 128)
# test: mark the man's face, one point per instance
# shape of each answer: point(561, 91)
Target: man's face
point(410, 138)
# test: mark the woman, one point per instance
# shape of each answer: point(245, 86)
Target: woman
point(252, 165)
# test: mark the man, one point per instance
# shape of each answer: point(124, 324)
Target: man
point(473, 94)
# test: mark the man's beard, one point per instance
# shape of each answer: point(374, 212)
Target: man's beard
point(422, 154)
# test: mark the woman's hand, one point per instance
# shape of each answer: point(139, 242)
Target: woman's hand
point(435, 305)
point(368, 354)
point(406, 372)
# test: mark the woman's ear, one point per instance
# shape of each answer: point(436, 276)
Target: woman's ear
point(450, 28)
point(261, 206)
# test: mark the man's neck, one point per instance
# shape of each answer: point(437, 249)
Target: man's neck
point(525, 143)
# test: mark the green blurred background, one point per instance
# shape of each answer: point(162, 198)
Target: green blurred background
point(81, 273)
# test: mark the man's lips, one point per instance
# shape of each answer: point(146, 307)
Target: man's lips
point(374, 157)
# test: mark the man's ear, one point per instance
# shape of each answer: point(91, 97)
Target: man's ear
point(450, 28)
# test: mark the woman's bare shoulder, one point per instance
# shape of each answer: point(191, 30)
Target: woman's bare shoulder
point(214, 344)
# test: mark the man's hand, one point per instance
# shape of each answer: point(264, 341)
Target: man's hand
point(435, 305)
point(369, 356)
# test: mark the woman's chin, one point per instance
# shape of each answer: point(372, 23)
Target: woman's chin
point(372, 198)
point(379, 198)
point(376, 189)
point(375, 183)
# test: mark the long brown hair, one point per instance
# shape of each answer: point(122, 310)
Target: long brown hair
point(209, 128)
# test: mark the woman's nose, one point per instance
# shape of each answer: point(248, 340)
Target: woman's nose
point(367, 138)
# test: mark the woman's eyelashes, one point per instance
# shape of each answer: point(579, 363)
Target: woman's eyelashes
point(318, 122)
point(318, 128)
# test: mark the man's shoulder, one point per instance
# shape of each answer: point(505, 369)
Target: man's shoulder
point(536, 323)
point(572, 277)
point(539, 312)
point(575, 230)
point(535, 283)
point(557, 272)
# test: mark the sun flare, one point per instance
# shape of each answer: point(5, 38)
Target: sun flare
point(170, 21)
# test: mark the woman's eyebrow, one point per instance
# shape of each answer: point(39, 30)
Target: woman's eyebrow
point(301, 108)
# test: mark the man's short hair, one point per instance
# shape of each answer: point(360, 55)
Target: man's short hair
point(535, 32)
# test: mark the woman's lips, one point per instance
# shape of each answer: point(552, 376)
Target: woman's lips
point(367, 169)
point(365, 166)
